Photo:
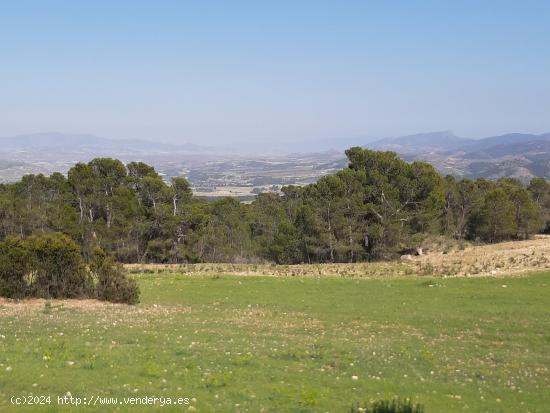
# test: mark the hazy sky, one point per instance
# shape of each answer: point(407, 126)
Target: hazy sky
point(263, 71)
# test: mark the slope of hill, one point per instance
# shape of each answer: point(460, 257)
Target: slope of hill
point(516, 155)
point(527, 148)
point(511, 139)
point(421, 142)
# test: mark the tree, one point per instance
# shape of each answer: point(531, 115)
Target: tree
point(495, 220)
point(227, 235)
point(82, 179)
point(349, 215)
point(180, 192)
point(528, 215)
point(325, 194)
point(461, 199)
point(153, 189)
point(272, 230)
point(400, 199)
point(110, 174)
point(540, 191)
point(373, 209)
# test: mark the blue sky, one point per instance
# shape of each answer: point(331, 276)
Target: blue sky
point(257, 72)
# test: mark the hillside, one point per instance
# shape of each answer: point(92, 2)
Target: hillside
point(514, 155)
point(421, 142)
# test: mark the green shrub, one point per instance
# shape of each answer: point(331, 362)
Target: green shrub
point(388, 406)
point(111, 283)
point(57, 267)
point(14, 268)
point(51, 266)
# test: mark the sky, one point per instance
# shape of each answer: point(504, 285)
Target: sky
point(258, 72)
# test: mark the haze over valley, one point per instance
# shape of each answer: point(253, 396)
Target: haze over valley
point(215, 171)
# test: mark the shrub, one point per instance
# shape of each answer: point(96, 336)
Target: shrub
point(57, 267)
point(51, 266)
point(14, 267)
point(388, 406)
point(111, 284)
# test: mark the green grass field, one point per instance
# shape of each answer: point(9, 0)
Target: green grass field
point(266, 344)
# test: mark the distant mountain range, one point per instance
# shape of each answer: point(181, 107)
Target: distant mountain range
point(448, 142)
point(421, 142)
point(517, 155)
point(85, 143)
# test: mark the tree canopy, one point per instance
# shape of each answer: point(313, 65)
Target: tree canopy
point(373, 209)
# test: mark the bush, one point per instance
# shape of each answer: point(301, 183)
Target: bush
point(111, 284)
point(57, 268)
point(388, 406)
point(51, 266)
point(14, 267)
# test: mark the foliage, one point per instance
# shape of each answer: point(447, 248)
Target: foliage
point(14, 267)
point(375, 208)
point(540, 190)
point(111, 284)
point(51, 266)
point(57, 269)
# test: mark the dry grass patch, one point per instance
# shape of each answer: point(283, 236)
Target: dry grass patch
point(101, 309)
point(354, 270)
point(507, 258)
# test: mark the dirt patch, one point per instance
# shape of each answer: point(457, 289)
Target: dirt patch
point(19, 307)
point(9, 308)
point(506, 258)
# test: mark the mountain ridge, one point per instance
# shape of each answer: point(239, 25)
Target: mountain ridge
point(76, 141)
point(515, 155)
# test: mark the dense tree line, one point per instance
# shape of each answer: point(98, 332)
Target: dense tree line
point(376, 207)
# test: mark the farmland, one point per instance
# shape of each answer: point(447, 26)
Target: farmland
point(292, 344)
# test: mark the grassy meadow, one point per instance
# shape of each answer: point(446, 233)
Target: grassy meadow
point(288, 344)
